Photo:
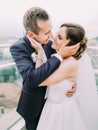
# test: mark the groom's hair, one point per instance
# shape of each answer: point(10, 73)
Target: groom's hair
point(76, 34)
point(31, 17)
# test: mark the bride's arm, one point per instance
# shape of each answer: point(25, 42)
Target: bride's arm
point(67, 69)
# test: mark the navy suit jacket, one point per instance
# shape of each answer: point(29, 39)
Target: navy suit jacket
point(32, 97)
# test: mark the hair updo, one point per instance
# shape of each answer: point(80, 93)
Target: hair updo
point(76, 34)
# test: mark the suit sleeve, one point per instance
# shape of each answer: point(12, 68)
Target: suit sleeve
point(27, 69)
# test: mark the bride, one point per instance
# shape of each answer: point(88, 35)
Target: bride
point(79, 112)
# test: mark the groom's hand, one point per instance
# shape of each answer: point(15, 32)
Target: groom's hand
point(66, 51)
point(70, 92)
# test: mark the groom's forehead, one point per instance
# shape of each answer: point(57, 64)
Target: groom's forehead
point(45, 26)
point(43, 23)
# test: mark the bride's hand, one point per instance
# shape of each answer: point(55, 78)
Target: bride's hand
point(36, 45)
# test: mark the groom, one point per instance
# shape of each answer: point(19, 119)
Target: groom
point(38, 26)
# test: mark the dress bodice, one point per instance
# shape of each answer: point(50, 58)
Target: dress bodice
point(56, 92)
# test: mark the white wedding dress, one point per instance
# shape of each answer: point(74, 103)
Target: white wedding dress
point(60, 112)
point(79, 112)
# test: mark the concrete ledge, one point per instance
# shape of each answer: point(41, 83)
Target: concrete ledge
point(11, 121)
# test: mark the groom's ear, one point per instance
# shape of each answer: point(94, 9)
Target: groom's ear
point(30, 34)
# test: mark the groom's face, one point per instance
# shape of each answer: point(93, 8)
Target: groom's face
point(45, 32)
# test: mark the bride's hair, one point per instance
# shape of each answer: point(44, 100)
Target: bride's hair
point(76, 34)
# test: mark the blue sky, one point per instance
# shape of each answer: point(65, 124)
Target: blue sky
point(84, 12)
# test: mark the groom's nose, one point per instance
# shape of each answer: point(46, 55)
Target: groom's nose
point(51, 35)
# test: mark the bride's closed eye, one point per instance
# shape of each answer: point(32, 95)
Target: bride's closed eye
point(60, 37)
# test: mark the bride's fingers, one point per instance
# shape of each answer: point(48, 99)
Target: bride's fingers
point(36, 45)
point(34, 41)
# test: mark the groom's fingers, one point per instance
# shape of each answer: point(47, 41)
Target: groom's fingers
point(71, 49)
point(70, 92)
point(65, 43)
point(74, 48)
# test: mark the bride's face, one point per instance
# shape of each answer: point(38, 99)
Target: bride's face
point(60, 38)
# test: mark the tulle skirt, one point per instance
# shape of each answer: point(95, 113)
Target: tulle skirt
point(61, 116)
